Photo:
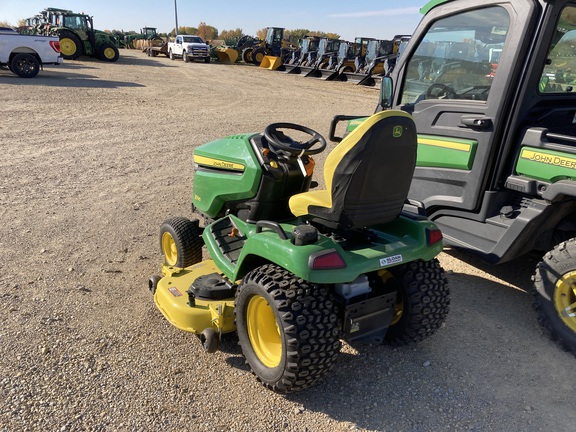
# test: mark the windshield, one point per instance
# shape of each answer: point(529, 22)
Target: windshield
point(192, 39)
point(559, 75)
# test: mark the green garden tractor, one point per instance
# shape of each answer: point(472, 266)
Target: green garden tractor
point(294, 271)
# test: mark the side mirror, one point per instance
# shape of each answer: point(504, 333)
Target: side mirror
point(386, 92)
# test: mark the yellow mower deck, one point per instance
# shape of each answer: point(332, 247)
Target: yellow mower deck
point(172, 299)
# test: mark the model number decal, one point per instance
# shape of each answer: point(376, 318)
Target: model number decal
point(174, 291)
point(394, 259)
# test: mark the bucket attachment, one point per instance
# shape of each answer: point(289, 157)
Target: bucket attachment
point(271, 62)
point(226, 55)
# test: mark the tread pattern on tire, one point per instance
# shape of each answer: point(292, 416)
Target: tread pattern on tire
point(310, 323)
point(426, 302)
point(545, 276)
point(188, 241)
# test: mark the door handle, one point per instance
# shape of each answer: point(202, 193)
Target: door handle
point(476, 122)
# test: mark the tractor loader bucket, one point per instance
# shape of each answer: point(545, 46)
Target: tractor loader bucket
point(226, 55)
point(370, 80)
point(271, 62)
point(293, 69)
point(350, 77)
point(328, 74)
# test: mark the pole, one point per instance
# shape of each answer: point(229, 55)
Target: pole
point(176, 16)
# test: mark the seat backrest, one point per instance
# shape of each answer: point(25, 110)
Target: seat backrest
point(369, 173)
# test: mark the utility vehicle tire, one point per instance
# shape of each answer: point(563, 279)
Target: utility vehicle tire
point(288, 329)
point(258, 55)
point(70, 45)
point(185, 58)
point(554, 293)
point(108, 52)
point(423, 302)
point(25, 65)
point(180, 242)
point(247, 55)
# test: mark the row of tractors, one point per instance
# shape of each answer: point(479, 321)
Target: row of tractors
point(363, 61)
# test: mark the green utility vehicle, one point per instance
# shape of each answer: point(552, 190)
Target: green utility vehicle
point(491, 86)
point(293, 271)
point(78, 37)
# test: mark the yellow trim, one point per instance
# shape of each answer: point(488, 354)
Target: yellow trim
point(444, 144)
point(548, 159)
point(300, 203)
point(217, 163)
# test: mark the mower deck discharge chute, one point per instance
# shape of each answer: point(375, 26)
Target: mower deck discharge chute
point(293, 270)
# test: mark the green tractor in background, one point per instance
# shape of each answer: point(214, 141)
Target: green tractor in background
point(146, 33)
point(77, 35)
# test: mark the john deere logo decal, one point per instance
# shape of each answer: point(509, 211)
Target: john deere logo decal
point(397, 132)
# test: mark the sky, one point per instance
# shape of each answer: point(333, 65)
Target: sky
point(368, 18)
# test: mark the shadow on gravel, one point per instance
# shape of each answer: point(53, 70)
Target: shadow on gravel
point(64, 79)
point(452, 379)
point(517, 272)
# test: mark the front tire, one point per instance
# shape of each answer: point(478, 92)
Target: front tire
point(108, 52)
point(185, 58)
point(180, 242)
point(423, 302)
point(554, 293)
point(25, 65)
point(258, 55)
point(288, 329)
point(170, 55)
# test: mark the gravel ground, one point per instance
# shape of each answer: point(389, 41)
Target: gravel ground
point(95, 157)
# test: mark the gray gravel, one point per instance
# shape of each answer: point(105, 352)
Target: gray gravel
point(95, 157)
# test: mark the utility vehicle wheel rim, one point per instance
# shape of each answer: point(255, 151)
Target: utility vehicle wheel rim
point(263, 332)
point(169, 249)
point(565, 299)
point(109, 53)
point(67, 47)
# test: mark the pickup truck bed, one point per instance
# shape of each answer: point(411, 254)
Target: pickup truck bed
point(25, 55)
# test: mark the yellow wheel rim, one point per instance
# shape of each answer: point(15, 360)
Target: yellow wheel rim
point(264, 332)
point(565, 299)
point(169, 249)
point(67, 47)
point(109, 53)
point(259, 57)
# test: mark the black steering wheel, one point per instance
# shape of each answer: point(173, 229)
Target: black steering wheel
point(440, 91)
point(283, 142)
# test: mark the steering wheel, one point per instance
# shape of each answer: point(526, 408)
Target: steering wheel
point(283, 142)
point(440, 91)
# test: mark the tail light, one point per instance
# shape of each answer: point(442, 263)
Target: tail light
point(55, 45)
point(328, 259)
point(433, 236)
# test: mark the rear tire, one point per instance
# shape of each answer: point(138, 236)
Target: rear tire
point(288, 329)
point(555, 294)
point(25, 65)
point(70, 45)
point(423, 302)
point(180, 242)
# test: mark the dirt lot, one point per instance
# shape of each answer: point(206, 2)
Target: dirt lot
point(95, 157)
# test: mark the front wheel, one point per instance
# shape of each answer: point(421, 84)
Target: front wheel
point(25, 65)
point(423, 302)
point(288, 329)
point(180, 242)
point(554, 293)
point(171, 55)
point(185, 57)
point(108, 52)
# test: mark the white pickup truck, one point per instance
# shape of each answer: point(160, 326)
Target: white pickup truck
point(25, 55)
point(189, 48)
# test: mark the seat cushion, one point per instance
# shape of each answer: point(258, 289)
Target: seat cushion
point(300, 203)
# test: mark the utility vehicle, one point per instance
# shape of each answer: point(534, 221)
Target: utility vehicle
point(293, 270)
point(491, 87)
